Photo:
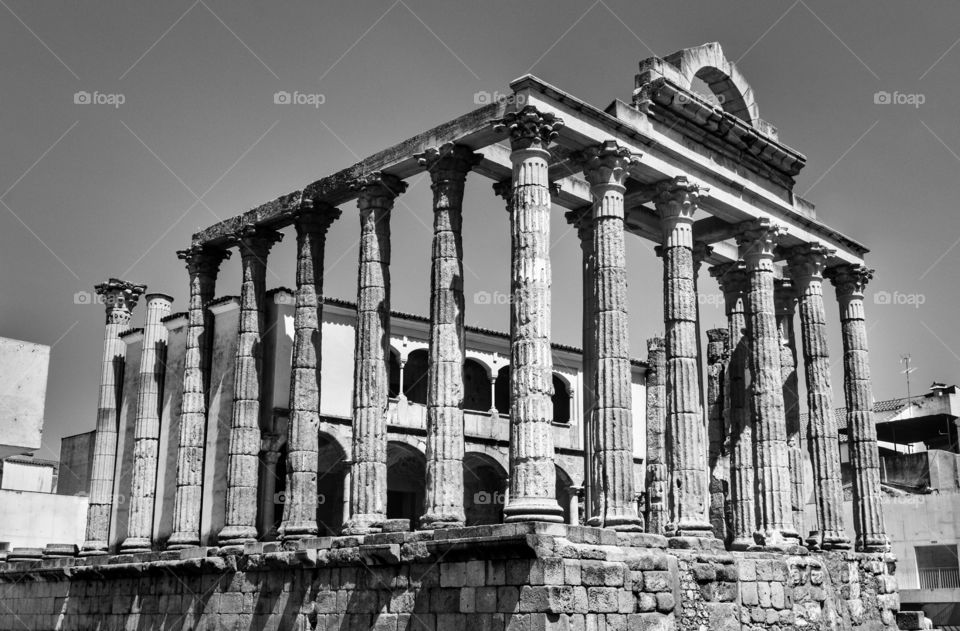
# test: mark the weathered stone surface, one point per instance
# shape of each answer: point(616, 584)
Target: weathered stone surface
point(120, 298)
point(849, 281)
point(368, 479)
point(785, 303)
point(147, 426)
point(532, 473)
point(806, 265)
point(656, 465)
point(717, 357)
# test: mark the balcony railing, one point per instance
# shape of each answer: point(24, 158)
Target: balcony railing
point(939, 578)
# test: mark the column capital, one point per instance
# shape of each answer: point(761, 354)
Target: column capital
point(656, 345)
point(529, 128)
point(732, 277)
point(850, 279)
point(504, 190)
point(377, 189)
point(715, 337)
point(605, 165)
point(448, 162)
point(255, 241)
point(677, 198)
point(203, 259)
point(119, 298)
point(701, 252)
point(807, 262)
point(315, 217)
point(758, 239)
point(581, 219)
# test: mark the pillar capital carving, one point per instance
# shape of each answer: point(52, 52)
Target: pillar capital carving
point(701, 252)
point(732, 277)
point(448, 162)
point(850, 279)
point(504, 189)
point(377, 189)
point(315, 217)
point(254, 241)
point(203, 260)
point(119, 297)
point(807, 262)
point(529, 128)
point(581, 219)
point(758, 239)
point(717, 341)
point(605, 165)
point(677, 198)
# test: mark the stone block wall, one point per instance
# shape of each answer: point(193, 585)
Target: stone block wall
point(519, 577)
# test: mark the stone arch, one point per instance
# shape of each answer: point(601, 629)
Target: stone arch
point(406, 481)
point(415, 376)
point(484, 489)
point(708, 63)
point(331, 494)
point(476, 386)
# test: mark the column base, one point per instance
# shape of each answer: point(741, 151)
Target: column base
point(183, 540)
point(777, 539)
point(364, 525)
point(689, 529)
point(236, 535)
point(743, 544)
point(624, 523)
point(94, 548)
point(136, 544)
point(829, 541)
point(872, 543)
point(439, 521)
point(532, 509)
point(298, 530)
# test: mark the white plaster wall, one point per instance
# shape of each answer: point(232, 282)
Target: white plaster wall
point(277, 353)
point(23, 391)
point(336, 388)
point(126, 417)
point(32, 520)
point(23, 476)
point(219, 411)
point(169, 429)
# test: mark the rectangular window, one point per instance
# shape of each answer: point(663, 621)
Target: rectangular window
point(938, 567)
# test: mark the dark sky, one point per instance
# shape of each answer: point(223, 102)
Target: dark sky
point(90, 191)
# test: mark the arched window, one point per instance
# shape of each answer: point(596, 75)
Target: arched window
point(476, 386)
point(415, 377)
point(502, 391)
point(561, 401)
point(394, 386)
point(406, 481)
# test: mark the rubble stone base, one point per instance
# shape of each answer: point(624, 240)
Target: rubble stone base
point(524, 577)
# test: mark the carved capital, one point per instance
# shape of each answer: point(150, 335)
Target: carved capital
point(701, 252)
point(315, 217)
point(606, 164)
point(677, 198)
point(529, 128)
point(504, 189)
point(656, 345)
point(119, 298)
point(203, 260)
point(377, 189)
point(581, 219)
point(254, 241)
point(758, 239)
point(850, 279)
point(807, 262)
point(718, 343)
point(448, 162)
point(732, 277)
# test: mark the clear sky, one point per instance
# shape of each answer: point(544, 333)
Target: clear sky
point(89, 191)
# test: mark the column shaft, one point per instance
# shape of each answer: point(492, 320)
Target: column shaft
point(147, 426)
point(757, 240)
point(806, 266)
point(120, 298)
point(785, 304)
point(368, 480)
point(871, 535)
point(656, 469)
point(303, 438)
point(717, 357)
point(676, 202)
point(448, 168)
point(243, 447)
point(532, 472)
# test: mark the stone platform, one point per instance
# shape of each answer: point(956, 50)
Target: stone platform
point(526, 577)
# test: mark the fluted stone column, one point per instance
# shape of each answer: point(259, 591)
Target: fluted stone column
point(581, 219)
point(240, 520)
point(656, 465)
point(786, 305)
point(146, 433)
point(532, 473)
point(606, 168)
point(676, 201)
point(203, 263)
point(303, 438)
point(757, 240)
point(120, 298)
point(732, 278)
point(443, 502)
point(871, 534)
point(371, 376)
point(806, 265)
point(717, 354)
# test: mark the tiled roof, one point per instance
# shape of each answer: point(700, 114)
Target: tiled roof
point(882, 411)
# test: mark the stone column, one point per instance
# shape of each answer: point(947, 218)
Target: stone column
point(757, 240)
point(786, 304)
point(203, 264)
point(676, 201)
point(532, 473)
point(806, 266)
point(732, 278)
point(717, 355)
point(303, 438)
point(656, 474)
point(443, 501)
point(606, 168)
point(120, 298)
point(582, 220)
point(371, 376)
point(146, 433)
point(243, 448)
point(850, 281)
